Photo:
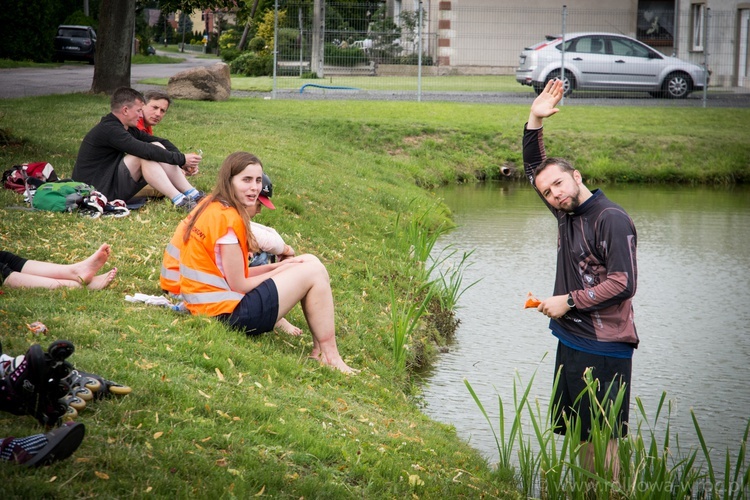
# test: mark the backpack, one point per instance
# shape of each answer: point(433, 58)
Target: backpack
point(22, 178)
point(61, 196)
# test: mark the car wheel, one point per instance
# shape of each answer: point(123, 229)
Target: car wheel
point(677, 86)
point(569, 82)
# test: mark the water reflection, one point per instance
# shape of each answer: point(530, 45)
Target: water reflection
point(691, 307)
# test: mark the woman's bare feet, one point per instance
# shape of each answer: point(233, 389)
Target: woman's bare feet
point(286, 327)
point(86, 270)
point(102, 281)
point(336, 362)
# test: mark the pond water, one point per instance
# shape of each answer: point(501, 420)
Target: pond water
point(692, 308)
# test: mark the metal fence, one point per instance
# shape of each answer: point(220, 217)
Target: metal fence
point(365, 51)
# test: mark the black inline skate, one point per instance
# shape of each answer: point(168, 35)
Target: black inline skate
point(34, 384)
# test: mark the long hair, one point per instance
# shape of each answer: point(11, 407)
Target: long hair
point(224, 193)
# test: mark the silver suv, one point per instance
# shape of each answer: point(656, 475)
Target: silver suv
point(608, 61)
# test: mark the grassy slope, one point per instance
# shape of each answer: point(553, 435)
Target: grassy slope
point(215, 414)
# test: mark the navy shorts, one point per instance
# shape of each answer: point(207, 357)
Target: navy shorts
point(257, 311)
point(611, 372)
point(9, 263)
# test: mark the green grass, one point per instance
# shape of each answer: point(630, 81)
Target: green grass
point(155, 59)
point(213, 413)
point(9, 64)
point(385, 83)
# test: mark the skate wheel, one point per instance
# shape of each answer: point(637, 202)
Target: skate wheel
point(83, 392)
point(90, 383)
point(70, 414)
point(120, 390)
point(75, 402)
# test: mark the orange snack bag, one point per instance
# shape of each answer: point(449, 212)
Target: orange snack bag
point(531, 301)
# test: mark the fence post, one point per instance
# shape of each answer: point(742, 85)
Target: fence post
point(419, 55)
point(562, 52)
point(705, 54)
point(301, 39)
point(676, 29)
point(275, 45)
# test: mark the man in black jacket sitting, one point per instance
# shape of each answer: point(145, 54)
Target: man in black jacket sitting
point(119, 160)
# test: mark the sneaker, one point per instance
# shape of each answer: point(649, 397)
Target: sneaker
point(197, 198)
point(57, 444)
point(186, 204)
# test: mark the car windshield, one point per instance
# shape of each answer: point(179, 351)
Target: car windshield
point(73, 33)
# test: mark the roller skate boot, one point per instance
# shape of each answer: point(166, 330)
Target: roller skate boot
point(33, 385)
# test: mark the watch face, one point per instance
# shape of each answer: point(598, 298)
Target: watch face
point(570, 302)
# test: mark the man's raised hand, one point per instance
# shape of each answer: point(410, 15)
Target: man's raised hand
point(544, 104)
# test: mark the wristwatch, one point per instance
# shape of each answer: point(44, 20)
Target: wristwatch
point(571, 304)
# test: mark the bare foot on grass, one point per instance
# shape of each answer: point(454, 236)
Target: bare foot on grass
point(86, 269)
point(102, 281)
point(286, 327)
point(338, 363)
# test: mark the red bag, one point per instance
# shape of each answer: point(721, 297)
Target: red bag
point(31, 175)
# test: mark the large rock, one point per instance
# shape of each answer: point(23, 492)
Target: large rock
point(211, 83)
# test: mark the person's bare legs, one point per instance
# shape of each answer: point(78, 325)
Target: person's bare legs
point(611, 460)
point(40, 274)
point(168, 179)
point(308, 283)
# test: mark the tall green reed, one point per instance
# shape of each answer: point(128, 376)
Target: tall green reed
point(447, 287)
point(736, 482)
point(448, 282)
point(405, 316)
point(561, 468)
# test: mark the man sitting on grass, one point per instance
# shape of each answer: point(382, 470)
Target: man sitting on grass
point(119, 160)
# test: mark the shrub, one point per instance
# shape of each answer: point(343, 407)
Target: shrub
point(79, 18)
point(252, 64)
point(230, 54)
point(337, 56)
point(288, 43)
point(257, 44)
point(229, 39)
point(413, 59)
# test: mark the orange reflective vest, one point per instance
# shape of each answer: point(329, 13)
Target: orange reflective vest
point(169, 279)
point(201, 283)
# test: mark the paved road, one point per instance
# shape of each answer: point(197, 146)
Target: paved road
point(77, 77)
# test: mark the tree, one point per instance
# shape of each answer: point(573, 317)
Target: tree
point(113, 46)
point(115, 37)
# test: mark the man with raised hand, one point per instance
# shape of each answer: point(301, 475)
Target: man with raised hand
point(591, 311)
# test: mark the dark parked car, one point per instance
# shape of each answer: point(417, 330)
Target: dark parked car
point(75, 43)
point(608, 61)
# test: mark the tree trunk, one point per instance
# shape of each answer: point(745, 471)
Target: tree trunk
point(243, 40)
point(113, 46)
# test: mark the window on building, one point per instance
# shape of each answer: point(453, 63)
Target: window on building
point(697, 17)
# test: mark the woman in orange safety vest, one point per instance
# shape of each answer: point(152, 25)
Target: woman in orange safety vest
point(215, 280)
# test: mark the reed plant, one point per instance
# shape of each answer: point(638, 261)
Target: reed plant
point(447, 283)
point(736, 481)
point(406, 314)
point(560, 467)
